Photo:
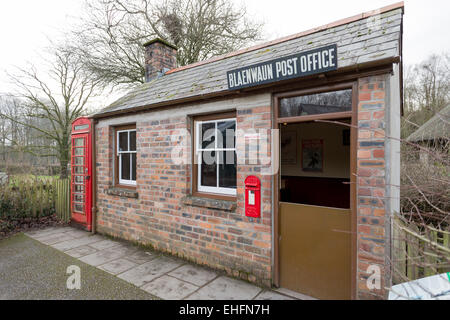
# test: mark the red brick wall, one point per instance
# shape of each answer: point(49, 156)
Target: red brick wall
point(227, 239)
point(221, 239)
point(371, 172)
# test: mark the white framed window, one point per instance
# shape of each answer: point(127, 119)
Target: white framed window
point(126, 156)
point(216, 156)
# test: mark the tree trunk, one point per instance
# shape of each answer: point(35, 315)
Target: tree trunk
point(64, 157)
point(63, 172)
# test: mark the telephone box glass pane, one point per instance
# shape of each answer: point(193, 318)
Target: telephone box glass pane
point(79, 179)
point(78, 198)
point(208, 169)
point(125, 168)
point(132, 140)
point(227, 169)
point(79, 188)
point(79, 151)
point(226, 129)
point(78, 142)
point(326, 102)
point(79, 161)
point(78, 170)
point(78, 207)
point(123, 141)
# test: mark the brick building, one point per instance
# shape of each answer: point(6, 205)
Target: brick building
point(310, 115)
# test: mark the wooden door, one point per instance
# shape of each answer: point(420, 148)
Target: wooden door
point(315, 250)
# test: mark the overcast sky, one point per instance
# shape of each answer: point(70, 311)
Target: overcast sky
point(25, 24)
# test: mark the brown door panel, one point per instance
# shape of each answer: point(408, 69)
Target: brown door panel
point(315, 250)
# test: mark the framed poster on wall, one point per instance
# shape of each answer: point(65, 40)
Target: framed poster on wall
point(312, 155)
point(289, 147)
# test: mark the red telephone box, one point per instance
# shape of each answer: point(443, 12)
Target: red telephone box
point(81, 172)
point(252, 197)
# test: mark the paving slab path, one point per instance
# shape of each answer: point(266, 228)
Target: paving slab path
point(151, 273)
point(31, 270)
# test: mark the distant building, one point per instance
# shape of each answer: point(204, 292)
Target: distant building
point(434, 133)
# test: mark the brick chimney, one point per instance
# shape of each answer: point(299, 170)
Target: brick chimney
point(160, 57)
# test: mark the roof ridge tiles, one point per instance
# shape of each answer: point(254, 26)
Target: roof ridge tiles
point(337, 23)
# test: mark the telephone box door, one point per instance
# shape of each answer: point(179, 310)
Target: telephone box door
point(81, 171)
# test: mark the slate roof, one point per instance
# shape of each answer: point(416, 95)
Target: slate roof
point(435, 128)
point(362, 39)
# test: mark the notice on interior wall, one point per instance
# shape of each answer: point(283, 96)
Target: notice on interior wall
point(312, 155)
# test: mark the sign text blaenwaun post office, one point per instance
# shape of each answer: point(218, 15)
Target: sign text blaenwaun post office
point(299, 65)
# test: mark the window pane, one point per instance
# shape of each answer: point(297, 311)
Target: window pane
point(132, 140)
point(125, 168)
point(207, 136)
point(133, 166)
point(327, 102)
point(78, 142)
point(226, 130)
point(208, 169)
point(227, 169)
point(79, 179)
point(123, 141)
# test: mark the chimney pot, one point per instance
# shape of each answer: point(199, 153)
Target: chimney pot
point(160, 57)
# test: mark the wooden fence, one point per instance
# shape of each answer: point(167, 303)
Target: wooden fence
point(418, 252)
point(62, 199)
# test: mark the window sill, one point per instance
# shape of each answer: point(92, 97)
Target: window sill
point(225, 205)
point(122, 192)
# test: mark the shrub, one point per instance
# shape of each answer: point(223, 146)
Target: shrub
point(425, 184)
point(27, 198)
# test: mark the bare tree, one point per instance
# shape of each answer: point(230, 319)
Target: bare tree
point(426, 91)
point(52, 101)
point(112, 32)
point(13, 137)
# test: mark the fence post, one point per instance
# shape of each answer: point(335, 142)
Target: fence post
point(62, 199)
point(41, 213)
point(400, 257)
point(430, 256)
point(57, 198)
point(67, 199)
point(413, 244)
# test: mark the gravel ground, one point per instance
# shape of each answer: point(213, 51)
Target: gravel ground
point(31, 270)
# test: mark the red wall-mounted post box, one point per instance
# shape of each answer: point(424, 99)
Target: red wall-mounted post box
point(252, 197)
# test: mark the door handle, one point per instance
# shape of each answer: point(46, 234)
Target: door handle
point(88, 177)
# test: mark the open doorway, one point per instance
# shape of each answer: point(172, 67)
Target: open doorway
point(315, 164)
point(315, 185)
point(315, 217)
